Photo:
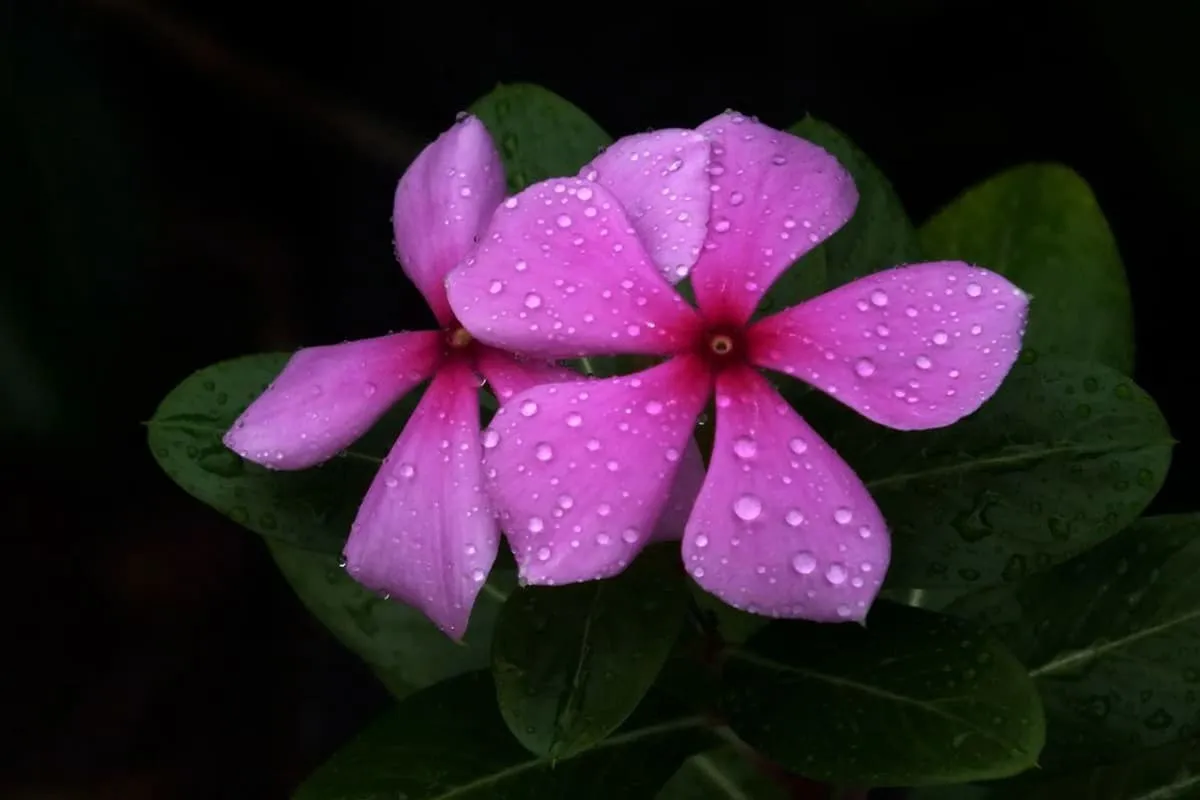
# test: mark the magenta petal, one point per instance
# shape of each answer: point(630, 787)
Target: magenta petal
point(507, 374)
point(783, 527)
point(580, 472)
point(775, 197)
point(673, 519)
point(912, 348)
point(561, 273)
point(424, 534)
point(326, 397)
point(443, 201)
point(661, 179)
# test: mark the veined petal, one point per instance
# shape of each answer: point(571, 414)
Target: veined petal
point(775, 197)
point(912, 348)
point(783, 527)
point(327, 397)
point(561, 273)
point(425, 534)
point(579, 473)
point(673, 519)
point(508, 374)
point(443, 201)
point(661, 179)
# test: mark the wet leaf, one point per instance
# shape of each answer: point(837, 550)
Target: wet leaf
point(404, 649)
point(1112, 639)
point(1062, 457)
point(539, 134)
point(572, 662)
point(449, 741)
point(913, 698)
point(1040, 225)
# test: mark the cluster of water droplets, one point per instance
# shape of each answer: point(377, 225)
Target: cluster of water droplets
point(779, 529)
point(906, 344)
point(798, 198)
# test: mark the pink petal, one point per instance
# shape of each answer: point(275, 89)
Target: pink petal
point(912, 348)
point(561, 273)
point(443, 201)
point(783, 527)
point(775, 197)
point(327, 397)
point(508, 375)
point(661, 179)
point(425, 534)
point(580, 472)
point(673, 519)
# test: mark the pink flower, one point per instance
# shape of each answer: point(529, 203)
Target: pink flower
point(425, 533)
point(782, 526)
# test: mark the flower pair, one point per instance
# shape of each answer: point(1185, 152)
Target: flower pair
point(579, 472)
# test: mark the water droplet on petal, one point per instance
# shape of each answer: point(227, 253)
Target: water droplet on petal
point(543, 451)
point(974, 290)
point(533, 300)
point(843, 516)
point(804, 562)
point(794, 518)
point(865, 367)
point(630, 535)
point(490, 438)
point(836, 574)
point(798, 446)
point(744, 447)
point(654, 408)
point(564, 220)
point(747, 507)
point(543, 554)
point(879, 298)
point(923, 362)
point(536, 524)
point(407, 470)
point(528, 408)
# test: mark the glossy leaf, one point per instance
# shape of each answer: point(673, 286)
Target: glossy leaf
point(539, 134)
point(403, 648)
point(880, 234)
point(311, 509)
point(449, 741)
point(1171, 772)
point(1062, 457)
point(1112, 638)
point(723, 773)
point(572, 662)
point(913, 698)
point(1040, 225)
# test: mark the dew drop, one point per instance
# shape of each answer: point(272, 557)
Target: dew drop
point(940, 337)
point(490, 438)
point(836, 574)
point(536, 525)
point(865, 367)
point(747, 507)
point(843, 516)
point(495, 287)
point(407, 470)
point(564, 220)
point(654, 408)
point(630, 536)
point(744, 447)
point(544, 451)
point(804, 562)
point(923, 362)
point(794, 518)
point(533, 300)
point(574, 420)
point(702, 541)
point(528, 408)
point(798, 446)
point(879, 298)
point(974, 290)
point(543, 554)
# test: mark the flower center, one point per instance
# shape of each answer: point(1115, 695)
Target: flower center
point(722, 345)
point(458, 338)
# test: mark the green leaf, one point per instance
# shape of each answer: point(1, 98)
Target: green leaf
point(805, 279)
point(913, 698)
point(311, 509)
point(880, 234)
point(1040, 225)
point(539, 134)
point(449, 741)
point(572, 662)
point(720, 774)
point(1063, 456)
point(405, 649)
point(1112, 639)
point(1171, 772)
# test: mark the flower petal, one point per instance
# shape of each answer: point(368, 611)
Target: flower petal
point(783, 527)
point(425, 534)
point(443, 201)
point(508, 375)
point(912, 348)
point(327, 397)
point(580, 472)
point(775, 197)
point(561, 273)
point(661, 179)
point(673, 519)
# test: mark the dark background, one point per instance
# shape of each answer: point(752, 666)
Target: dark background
point(185, 182)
